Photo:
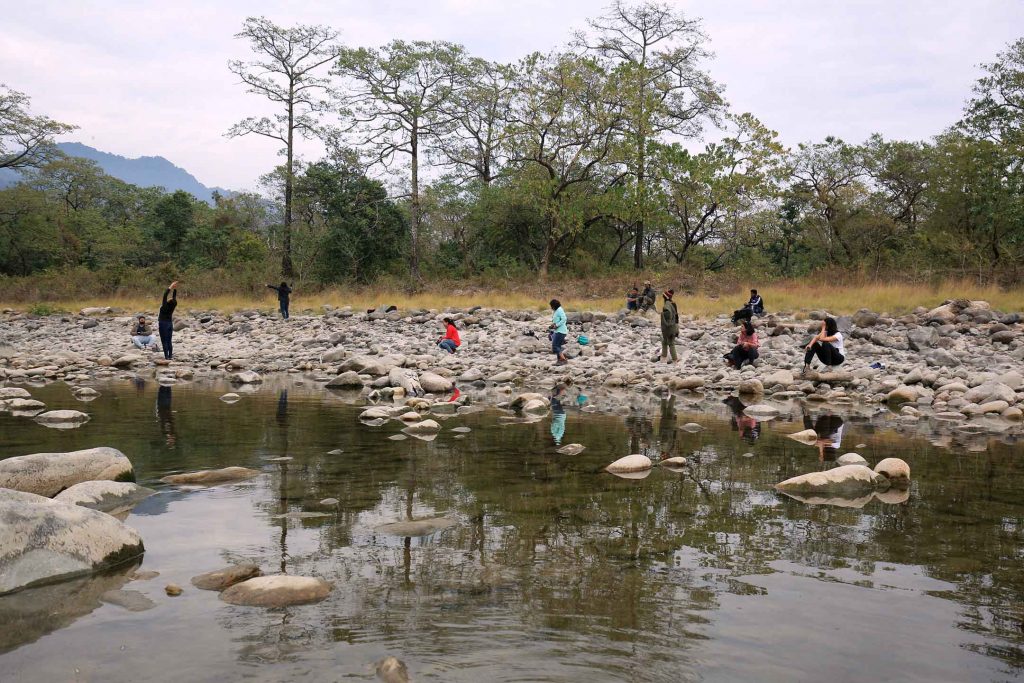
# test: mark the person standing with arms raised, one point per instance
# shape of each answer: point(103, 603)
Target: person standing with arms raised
point(165, 319)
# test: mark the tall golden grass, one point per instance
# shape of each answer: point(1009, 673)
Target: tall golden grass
point(793, 297)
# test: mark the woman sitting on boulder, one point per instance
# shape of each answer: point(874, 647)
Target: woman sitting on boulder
point(745, 350)
point(827, 345)
point(451, 340)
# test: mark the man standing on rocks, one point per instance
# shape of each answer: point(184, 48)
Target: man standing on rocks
point(559, 330)
point(165, 319)
point(669, 326)
point(283, 290)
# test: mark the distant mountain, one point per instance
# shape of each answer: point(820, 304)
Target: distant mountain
point(142, 171)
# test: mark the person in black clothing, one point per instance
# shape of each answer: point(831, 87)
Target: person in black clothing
point(753, 307)
point(165, 319)
point(283, 290)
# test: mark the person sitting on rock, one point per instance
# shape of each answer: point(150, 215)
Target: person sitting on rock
point(450, 341)
point(647, 297)
point(753, 307)
point(142, 334)
point(827, 345)
point(746, 347)
point(633, 299)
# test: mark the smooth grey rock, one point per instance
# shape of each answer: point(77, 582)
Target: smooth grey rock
point(62, 419)
point(572, 449)
point(392, 670)
point(131, 600)
point(418, 527)
point(346, 380)
point(105, 496)
point(245, 377)
point(211, 477)
point(895, 470)
point(636, 462)
point(435, 384)
point(220, 579)
point(845, 480)
point(47, 474)
point(851, 459)
point(45, 541)
point(278, 590)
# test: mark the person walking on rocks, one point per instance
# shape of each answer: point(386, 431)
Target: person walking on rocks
point(827, 345)
point(669, 326)
point(745, 350)
point(451, 340)
point(559, 330)
point(283, 290)
point(165, 319)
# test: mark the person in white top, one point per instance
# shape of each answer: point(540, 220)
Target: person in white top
point(827, 345)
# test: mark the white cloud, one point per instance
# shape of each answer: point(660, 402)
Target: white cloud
point(146, 78)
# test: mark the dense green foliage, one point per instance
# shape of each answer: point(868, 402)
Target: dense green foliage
point(579, 161)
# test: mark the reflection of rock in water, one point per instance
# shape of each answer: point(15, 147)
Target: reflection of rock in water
point(893, 496)
point(31, 614)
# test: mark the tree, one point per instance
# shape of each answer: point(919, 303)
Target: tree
point(398, 96)
point(26, 141)
point(656, 53)
point(562, 128)
point(824, 174)
point(478, 110)
point(996, 112)
point(285, 74)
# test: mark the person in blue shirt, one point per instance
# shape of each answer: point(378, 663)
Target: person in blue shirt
point(559, 330)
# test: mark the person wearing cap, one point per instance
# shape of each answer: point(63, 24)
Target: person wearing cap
point(669, 326)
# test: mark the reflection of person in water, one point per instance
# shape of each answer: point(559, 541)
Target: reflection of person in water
point(667, 427)
point(641, 429)
point(164, 414)
point(829, 429)
point(282, 408)
point(748, 427)
point(557, 421)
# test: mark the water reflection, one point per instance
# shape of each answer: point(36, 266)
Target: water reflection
point(829, 429)
point(165, 415)
point(748, 428)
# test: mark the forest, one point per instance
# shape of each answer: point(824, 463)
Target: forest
point(614, 154)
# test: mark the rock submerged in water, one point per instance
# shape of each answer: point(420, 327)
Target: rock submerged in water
point(62, 419)
point(47, 474)
point(392, 670)
point(279, 590)
point(844, 481)
point(851, 459)
point(210, 477)
point(245, 377)
point(423, 427)
point(637, 462)
point(346, 380)
point(895, 470)
point(572, 449)
point(221, 579)
point(131, 600)
point(418, 527)
point(675, 463)
point(806, 436)
point(45, 541)
point(105, 496)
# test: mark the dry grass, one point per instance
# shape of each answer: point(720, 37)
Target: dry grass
point(788, 296)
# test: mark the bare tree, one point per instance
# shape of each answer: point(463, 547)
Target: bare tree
point(26, 141)
point(285, 73)
point(398, 95)
point(656, 53)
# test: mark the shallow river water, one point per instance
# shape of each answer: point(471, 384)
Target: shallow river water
point(552, 570)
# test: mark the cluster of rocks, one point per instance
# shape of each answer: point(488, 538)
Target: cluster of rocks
point(851, 483)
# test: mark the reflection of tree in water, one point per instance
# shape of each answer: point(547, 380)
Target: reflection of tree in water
point(550, 543)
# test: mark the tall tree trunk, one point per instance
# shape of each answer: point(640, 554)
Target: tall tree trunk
point(286, 257)
point(414, 209)
point(641, 177)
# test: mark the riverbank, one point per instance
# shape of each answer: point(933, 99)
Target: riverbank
point(958, 361)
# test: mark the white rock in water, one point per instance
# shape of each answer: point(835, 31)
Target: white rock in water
point(673, 463)
point(211, 477)
point(13, 392)
point(692, 427)
point(520, 402)
point(418, 527)
point(806, 436)
point(83, 392)
point(895, 470)
point(851, 459)
point(220, 579)
point(346, 380)
point(392, 670)
point(47, 474)
point(845, 481)
point(411, 416)
point(434, 383)
point(105, 496)
point(44, 541)
point(761, 410)
point(572, 449)
point(424, 427)
point(230, 398)
point(637, 462)
point(277, 591)
point(535, 406)
point(245, 377)
point(62, 419)
point(375, 413)
point(21, 404)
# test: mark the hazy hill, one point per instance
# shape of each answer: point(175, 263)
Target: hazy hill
point(141, 171)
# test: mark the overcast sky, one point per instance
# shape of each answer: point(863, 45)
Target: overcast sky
point(147, 78)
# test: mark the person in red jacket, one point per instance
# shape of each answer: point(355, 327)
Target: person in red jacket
point(451, 340)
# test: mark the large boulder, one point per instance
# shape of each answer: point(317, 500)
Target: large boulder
point(334, 355)
point(211, 477)
point(47, 474)
point(921, 338)
point(406, 379)
point(845, 480)
point(865, 318)
point(895, 470)
point(991, 391)
point(435, 384)
point(277, 591)
point(45, 541)
point(105, 496)
point(365, 366)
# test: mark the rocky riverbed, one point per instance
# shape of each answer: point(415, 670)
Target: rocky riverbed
point(958, 361)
